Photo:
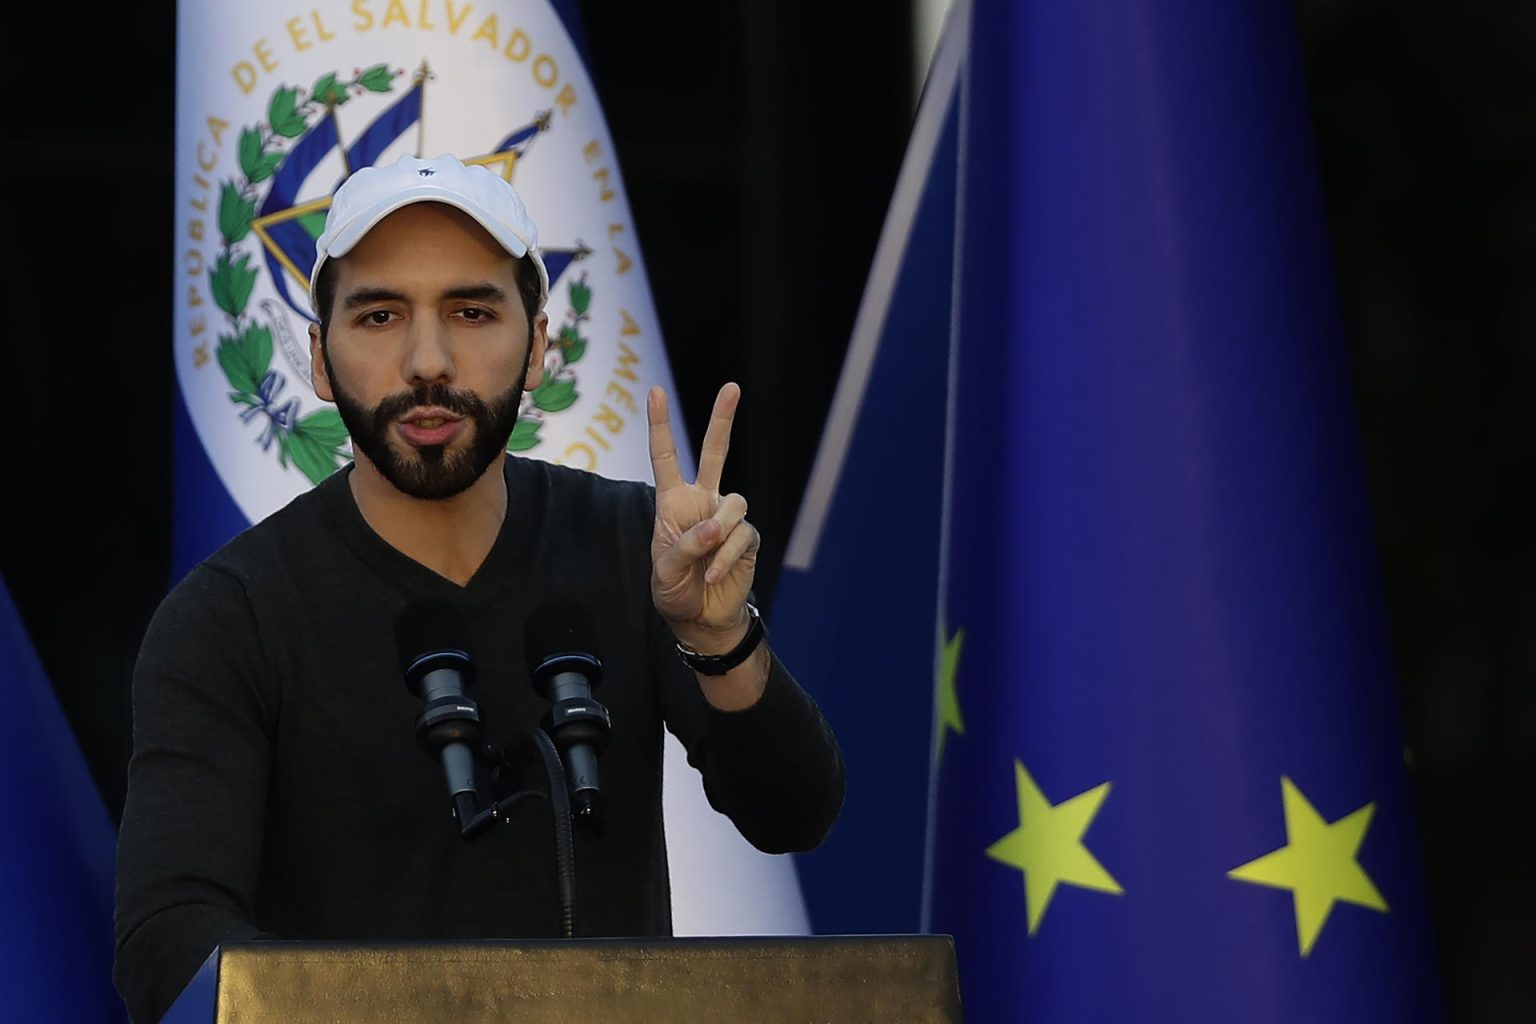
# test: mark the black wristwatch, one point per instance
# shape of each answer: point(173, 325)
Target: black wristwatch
point(720, 664)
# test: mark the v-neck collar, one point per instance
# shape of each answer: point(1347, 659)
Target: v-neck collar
point(506, 561)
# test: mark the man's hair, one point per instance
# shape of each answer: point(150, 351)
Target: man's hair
point(527, 289)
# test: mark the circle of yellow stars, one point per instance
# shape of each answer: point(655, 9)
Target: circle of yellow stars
point(1318, 863)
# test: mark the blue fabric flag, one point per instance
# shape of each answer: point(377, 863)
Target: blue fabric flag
point(1171, 783)
point(855, 607)
point(56, 855)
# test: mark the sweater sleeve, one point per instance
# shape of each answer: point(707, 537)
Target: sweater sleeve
point(775, 769)
point(189, 847)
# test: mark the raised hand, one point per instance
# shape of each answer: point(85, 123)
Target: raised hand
point(703, 551)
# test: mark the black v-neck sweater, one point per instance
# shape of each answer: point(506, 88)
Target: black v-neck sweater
point(276, 787)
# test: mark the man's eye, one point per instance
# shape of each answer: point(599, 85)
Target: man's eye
point(474, 314)
point(377, 317)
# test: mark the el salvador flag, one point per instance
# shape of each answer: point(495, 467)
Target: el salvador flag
point(346, 85)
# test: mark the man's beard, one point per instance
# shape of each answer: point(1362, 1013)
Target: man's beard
point(432, 472)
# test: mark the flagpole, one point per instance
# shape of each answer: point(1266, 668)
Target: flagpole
point(960, 24)
point(422, 74)
point(341, 146)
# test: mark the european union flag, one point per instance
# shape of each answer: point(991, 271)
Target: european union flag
point(1171, 784)
point(56, 847)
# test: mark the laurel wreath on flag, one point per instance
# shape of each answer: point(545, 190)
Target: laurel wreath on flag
point(315, 443)
point(558, 391)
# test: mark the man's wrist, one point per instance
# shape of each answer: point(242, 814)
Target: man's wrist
point(714, 641)
point(719, 654)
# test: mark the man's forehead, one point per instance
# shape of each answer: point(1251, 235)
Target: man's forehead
point(428, 223)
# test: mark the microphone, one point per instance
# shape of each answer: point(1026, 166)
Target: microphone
point(559, 642)
point(438, 670)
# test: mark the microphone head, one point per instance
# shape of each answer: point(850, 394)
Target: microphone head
point(561, 636)
point(429, 635)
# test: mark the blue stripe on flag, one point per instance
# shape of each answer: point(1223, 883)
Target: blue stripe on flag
point(56, 854)
point(570, 16)
point(205, 516)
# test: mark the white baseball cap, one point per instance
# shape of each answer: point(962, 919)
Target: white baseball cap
point(373, 193)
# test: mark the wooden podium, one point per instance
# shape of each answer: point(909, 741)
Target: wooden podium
point(873, 979)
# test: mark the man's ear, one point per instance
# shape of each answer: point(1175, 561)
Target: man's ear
point(323, 390)
point(537, 343)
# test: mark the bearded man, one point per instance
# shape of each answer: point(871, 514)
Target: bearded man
point(275, 788)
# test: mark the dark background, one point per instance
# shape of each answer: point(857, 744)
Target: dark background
point(759, 143)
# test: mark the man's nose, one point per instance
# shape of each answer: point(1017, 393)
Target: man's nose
point(427, 358)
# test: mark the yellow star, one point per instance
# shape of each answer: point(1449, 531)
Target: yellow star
point(1048, 845)
point(1317, 864)
point(949, 703)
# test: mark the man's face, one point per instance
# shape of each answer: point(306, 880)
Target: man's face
point(428, 350)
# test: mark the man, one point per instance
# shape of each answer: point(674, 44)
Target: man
point(276, 788)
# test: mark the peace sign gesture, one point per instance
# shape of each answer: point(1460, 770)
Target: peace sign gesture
point(703, 551)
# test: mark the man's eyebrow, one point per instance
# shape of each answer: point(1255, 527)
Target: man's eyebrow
point(484, 291)
point(363, 296)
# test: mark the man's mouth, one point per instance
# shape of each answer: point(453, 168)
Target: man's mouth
point(430, 427)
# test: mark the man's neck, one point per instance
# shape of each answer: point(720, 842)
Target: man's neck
point(452, 537)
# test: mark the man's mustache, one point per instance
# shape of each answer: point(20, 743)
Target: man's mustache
point(441, 396)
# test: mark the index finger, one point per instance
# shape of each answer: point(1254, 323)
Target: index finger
point(717, 438)
point(664, 467)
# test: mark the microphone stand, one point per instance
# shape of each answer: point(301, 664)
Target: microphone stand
point(560, 810)
point(565, 845)
point(457, 719)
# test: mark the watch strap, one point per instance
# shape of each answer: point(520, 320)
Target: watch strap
point(720, 664)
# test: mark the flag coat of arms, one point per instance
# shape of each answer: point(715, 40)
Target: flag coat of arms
point(275, 107)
